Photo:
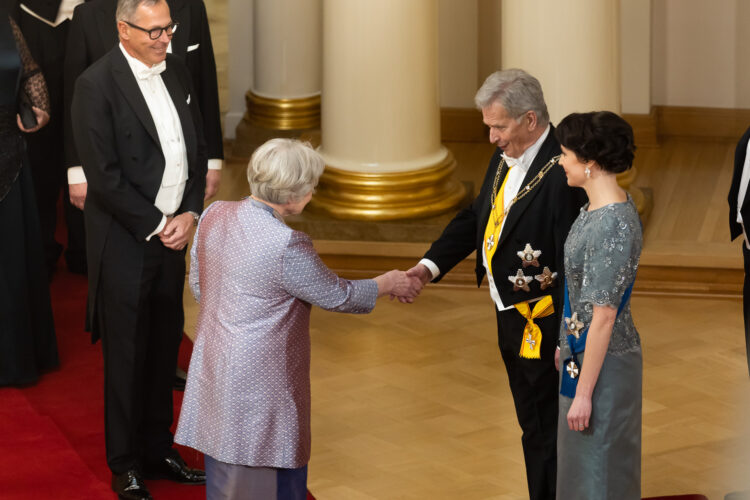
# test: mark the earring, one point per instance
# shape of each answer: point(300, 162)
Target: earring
point(587, 171)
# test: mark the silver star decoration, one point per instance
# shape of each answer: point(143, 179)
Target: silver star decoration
point(529, 256)
point(490, 241)
point(572, 369)
point(547, 278)
point(574, 326)
point(520, 281)
point(530, 341)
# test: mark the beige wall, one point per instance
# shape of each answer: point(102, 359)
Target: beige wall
point(635, 56)
point(695, 52)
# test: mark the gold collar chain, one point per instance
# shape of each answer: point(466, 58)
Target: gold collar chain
point(521, 192)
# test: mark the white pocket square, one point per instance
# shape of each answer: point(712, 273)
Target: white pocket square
point(188, 99)
point(193, 47)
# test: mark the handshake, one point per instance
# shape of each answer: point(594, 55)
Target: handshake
point(403, 285)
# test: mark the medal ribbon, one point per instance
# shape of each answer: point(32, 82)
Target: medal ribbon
point(495, 223)
point(578, 345)
point(531, 343)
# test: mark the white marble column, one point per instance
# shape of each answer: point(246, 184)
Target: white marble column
point(284, 99)
point(572, 47)
point(381, 112)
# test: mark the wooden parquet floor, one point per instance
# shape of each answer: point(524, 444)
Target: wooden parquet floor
point(412, 402)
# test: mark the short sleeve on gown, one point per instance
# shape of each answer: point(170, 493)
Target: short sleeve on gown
point(607, 269)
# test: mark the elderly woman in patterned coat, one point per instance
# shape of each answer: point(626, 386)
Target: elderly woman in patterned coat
point(247, 399)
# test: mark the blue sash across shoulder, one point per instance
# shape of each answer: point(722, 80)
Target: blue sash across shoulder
point(571, 366)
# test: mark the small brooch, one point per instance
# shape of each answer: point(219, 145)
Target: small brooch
point(529, 256)
point(490, 242)
point(574, 326)
point(530, 341)
point(520, 281)
point(547, 278)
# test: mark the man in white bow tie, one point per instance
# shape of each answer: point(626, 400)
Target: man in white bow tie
point(140, 141)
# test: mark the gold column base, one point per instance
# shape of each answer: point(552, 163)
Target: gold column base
point(643, 203)
point(402, 195)
point(283, 114)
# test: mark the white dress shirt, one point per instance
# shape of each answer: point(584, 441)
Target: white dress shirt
point(169, 130)
point(75, 173)
point(516, 175)
point(744, 181)
point(64, 12)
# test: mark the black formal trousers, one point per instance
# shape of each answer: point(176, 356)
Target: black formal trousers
point(140, 315)
point(534, 385)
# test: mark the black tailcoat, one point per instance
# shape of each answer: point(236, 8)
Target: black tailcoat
point(122, 157)
point(93, 32)
point(541, 219)
point(135, 286)
point(735, 228)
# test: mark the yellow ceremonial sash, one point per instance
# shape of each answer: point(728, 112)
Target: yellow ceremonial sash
point(532, 335)
point(495, 223)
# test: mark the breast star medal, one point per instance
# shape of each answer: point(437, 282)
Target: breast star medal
point(547, 278)
point(572, 369)
point(574, 326)
point(529, 256)
point(520, 281)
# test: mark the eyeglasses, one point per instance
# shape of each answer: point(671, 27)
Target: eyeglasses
point(155, 33)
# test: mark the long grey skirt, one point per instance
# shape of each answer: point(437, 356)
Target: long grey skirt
point(604, 461)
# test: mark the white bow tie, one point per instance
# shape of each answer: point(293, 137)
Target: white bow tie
point(511, 162)
point(155, 70)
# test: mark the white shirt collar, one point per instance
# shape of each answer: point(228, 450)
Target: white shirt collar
point(140, 69)
point(524, 161)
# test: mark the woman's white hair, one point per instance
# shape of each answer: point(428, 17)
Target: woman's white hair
point(284, 170)
point(517, 91)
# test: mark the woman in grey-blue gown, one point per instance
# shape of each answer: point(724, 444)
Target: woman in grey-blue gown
point(600, 362)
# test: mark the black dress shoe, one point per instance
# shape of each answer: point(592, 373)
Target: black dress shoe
point(129, 486)
point(175, 469)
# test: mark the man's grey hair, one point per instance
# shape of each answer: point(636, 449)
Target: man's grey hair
point(517, 91)
point(284, 170)
point(126, 8)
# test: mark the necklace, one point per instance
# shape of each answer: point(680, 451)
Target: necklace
point(521, 192)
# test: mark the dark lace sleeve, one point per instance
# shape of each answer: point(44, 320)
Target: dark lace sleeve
point(32, 77)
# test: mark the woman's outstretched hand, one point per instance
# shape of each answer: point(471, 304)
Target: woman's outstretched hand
point(399, 285)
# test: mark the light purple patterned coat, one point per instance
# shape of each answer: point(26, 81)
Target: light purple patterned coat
point(247, 399)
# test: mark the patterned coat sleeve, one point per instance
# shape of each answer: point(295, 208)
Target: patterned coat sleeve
point(306, 277)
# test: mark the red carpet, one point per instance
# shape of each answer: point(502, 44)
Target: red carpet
point(52, 442)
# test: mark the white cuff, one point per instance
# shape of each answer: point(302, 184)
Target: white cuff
point(215, 163)
point(432, 267)
point(76, 175)
point(158, 228)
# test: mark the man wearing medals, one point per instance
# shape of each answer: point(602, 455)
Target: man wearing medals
point(518, 225)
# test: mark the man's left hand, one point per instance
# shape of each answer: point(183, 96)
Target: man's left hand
point(176, 232)
point(213, 179)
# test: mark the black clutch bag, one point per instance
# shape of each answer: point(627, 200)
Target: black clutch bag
point(28, 117)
